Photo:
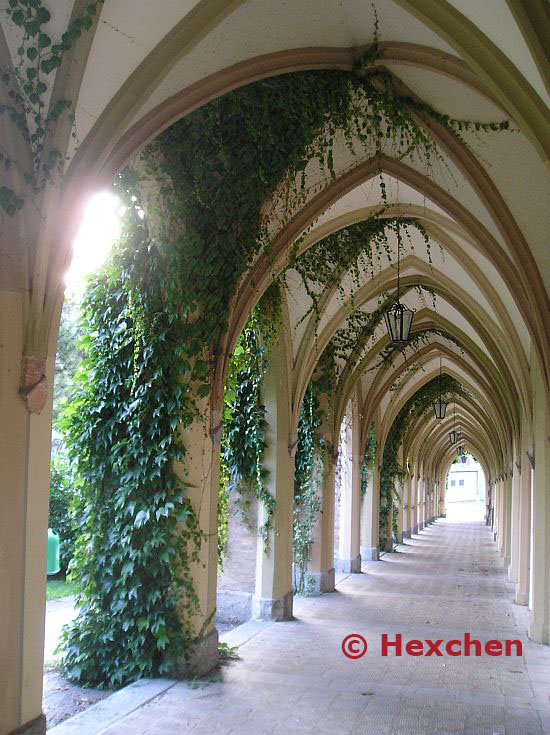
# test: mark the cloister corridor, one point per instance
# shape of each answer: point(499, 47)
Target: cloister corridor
point(293, 678)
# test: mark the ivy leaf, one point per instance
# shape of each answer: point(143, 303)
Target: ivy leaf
point(32, 28)
point(42, 15)
point(18, 17)
point(48, 65)
point(32, 53)
point(44, 40)
point(141, 518)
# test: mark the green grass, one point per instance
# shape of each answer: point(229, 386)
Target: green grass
point(56, 588)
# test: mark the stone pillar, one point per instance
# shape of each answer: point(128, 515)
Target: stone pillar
point(524, 532)
point(507, 536)
point(24, 483)
point(514, 525)
point(421, 502)
point(273, 598)
point(498, 512)
point(539, 629)
point(201, 472)
point(414, 501)
point(371, 523)
point(321, 565)
point(350, 519)
point(406, 498)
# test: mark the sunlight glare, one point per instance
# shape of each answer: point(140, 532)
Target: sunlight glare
point(100, 227)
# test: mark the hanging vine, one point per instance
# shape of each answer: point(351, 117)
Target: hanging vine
point(29, 84)
point(243, 439)
point(139, 534)
point(308, 477)
point(154, 318)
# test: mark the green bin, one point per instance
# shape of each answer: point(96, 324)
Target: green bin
point(53, 552)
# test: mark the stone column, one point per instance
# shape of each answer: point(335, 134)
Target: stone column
point(406, 498)
point(350, 519)
point(524, 532)
point(539, 629)
point(201, 473)
point(514, 525)
point(24, 483)
point(273, 598)
point(414, 501)
point(421, 502)
point(321, 565)
point(508, 516)
point(371, 523)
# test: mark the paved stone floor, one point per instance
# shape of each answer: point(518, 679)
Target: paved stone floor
point(293, 677)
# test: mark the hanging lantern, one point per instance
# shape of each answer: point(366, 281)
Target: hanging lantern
point(440, 406)
point(398, 317)
point(398, 323)
point(460, 451)
point(453, 435)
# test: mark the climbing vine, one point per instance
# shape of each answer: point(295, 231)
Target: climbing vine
point(154, 318)
point(357, 250)
point(417, 406)
point(308, 476)
point(29, 84)
point(139, 533)
point(369, 459)
point(243, 439)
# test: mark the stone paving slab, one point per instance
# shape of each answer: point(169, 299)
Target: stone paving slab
point(292, 677)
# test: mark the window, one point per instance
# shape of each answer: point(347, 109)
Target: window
point(453, 483)
point(461, 482)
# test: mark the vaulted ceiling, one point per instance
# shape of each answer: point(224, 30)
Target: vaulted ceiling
point(485, 281)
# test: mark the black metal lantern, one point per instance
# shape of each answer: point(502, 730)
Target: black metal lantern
point(440, 406)
point(398, 323)
point(460, 451)
point(398, 317)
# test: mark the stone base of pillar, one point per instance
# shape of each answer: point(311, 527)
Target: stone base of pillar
point(370, 553)
point(203, 659)
point(272, 608)
point(522, 598)
point(404, 535)
point(420, 526)
point(442, 515)
point(322, 582)
point(494, 536)
point(234, 606)
point(35, 727)
point(414, 530)
point(350, 566)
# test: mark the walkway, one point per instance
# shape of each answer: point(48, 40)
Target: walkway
point(292, 678)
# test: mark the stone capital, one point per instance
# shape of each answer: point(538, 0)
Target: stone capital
point(34, 384)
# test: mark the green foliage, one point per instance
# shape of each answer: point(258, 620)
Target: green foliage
point(369, 459)
point(243, 439)
point(138, 531)
point(68, 356)
point(418, 405)
point(357, 249)
point(60, 519)
point(308, 474)
point(29, 85)
point(153, 320)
